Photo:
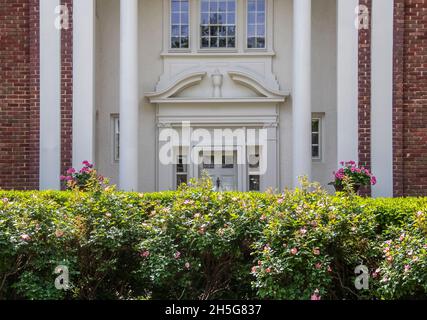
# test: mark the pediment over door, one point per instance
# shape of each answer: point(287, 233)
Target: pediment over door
point(217, 85)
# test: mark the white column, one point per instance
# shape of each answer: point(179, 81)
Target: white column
point(129, 96)
point(347, 81)
point(382, 97)
point(83, 82)
point(302, 90)
point(50, 97)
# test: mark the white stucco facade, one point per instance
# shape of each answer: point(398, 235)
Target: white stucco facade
point(125, 68)
point(256, 92)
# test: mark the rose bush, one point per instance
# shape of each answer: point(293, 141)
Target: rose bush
point(198, 244)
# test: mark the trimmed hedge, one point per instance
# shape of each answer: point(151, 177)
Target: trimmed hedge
point(199, 244)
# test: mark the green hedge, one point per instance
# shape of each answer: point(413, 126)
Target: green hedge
point(199, 244)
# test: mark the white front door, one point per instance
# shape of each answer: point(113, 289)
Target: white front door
point(221, 167)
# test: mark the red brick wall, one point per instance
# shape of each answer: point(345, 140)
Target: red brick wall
point(365, 95)
point(410, 98)
point(67, 91)
point(18, 94)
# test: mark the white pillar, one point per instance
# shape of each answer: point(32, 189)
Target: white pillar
point(302, 90)
point(382, 97)
point(347, 81)
point(129, 96)
point(83, 82)
point(50, 97)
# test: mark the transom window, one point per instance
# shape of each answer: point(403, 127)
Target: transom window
point(218, 24)
point(180, 22)
point(256, 24)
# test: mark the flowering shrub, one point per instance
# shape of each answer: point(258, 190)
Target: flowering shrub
point(85, 179)
point(354, 175)
point(402, 273)
point(200, 244)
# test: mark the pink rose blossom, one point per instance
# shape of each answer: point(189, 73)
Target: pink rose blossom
point(329, 269)
point(71, 171)
point(177, 255)
point(316, 296)
point(407, 268)
point(145, 254)
point(254, 269)
point(318, 266)
point(187, 265)
point(25, 237)
point(303, 231)
point(268, 270)
point(316, 251)
point(294, 251)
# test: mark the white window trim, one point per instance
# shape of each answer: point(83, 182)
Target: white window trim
point(266, 3)
point(269, 28)
point(321, 118)
point(195, 36)
point(115, 121)
point(214, 50)
point(167, 3)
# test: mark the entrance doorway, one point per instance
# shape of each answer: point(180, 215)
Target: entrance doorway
point(221, 167)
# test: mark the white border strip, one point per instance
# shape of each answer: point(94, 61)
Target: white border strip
point(50, 97)
point(382, 97)
point(347, 81)
point(83, 82)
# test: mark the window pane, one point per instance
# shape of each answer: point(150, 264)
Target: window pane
point(256, 24)
point(254, 183)
point(175, 5)
point(315, 138)
point(179, 24)
point(220, 17)
point(315, 151)
point(315, 126)
point(175, 31)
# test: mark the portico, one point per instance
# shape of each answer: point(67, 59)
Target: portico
point(128, 65)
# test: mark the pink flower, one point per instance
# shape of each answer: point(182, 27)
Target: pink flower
point(254, 269)
point(25, 237)
point(316, 295)
point(187, 202)
point(59, 233)
point(373, 180)
point(87, 164)
point(303, 231)
point(71, 171)
point(316, 251)
point(390, 259)
point(280, 201)
point(145, 254)
point(407, 268)
point(402, 237)
point(177, 255)
point(419, 214)
point(68, 178)
point(259, 263)
point(318, 266)
point(63, 178)
point(5, 200)
point(268, 270)
point(187, 265)
point(329, 269)
point(294, 251)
